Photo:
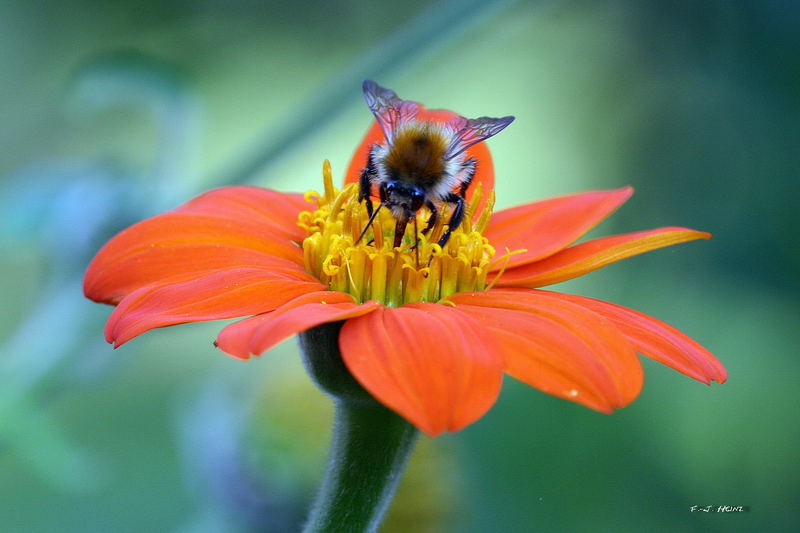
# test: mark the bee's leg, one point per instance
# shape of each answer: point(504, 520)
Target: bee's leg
point(383, 194)
point(432, 218)
point(384, 202)
point(468, 172)
point(369, 223)
point(455, 218)
point(365, 182)
point(399, 231)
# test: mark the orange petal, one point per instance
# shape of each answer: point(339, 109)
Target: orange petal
point(484, 172)
point(258, 334)
point(548, 226)
point(588, 256)
point(218, 230)
point(432, 364)
point(254, 205)
point(558, 347)
point(205, 296)
point(656, 339)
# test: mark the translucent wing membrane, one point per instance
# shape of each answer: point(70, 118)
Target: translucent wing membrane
point(472, 131)
point(389, 109)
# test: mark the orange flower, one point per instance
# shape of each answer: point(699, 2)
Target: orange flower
point(429, 339)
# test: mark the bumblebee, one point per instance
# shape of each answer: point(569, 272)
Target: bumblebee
point(421, 163)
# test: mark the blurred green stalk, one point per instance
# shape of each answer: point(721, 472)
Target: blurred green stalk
point(370, 448)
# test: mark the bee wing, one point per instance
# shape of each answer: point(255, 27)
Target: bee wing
point(472, 131)
point(388, 108)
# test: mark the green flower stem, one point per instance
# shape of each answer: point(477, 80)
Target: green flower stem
point(370, 447)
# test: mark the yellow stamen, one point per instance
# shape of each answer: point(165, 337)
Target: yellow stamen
point(311, 197)
point(486, 214)
point(506, 257)
point(477, 194)
point(371, 270)
point(327, 179)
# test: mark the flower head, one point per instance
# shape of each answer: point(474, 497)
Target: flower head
point(429, 331)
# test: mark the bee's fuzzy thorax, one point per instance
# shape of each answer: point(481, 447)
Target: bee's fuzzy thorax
point(417, 153)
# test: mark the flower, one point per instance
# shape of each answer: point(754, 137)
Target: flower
point(429, 332)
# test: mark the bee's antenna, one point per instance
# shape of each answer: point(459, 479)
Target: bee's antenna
point(416, 240)
point(369, 222)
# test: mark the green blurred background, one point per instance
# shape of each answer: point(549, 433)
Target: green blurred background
point(114, 111)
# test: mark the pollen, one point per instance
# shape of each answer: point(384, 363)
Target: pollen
point(418, 270)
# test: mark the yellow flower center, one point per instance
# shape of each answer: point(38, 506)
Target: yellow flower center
point(371, 269)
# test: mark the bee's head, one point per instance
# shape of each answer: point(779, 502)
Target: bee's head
point(408, 196)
